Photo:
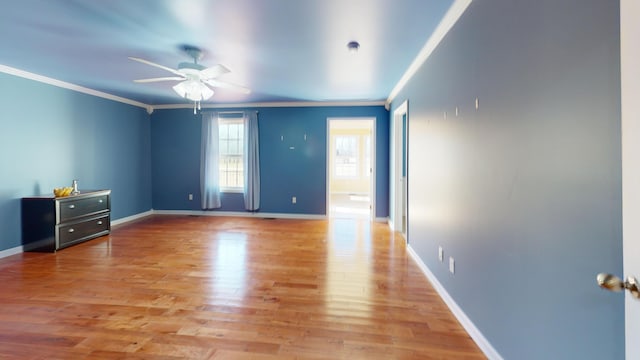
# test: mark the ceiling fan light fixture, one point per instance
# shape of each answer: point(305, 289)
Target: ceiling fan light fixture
point(193, 77)
point(193, 90)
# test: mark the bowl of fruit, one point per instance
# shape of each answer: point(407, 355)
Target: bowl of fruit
point(63, 191)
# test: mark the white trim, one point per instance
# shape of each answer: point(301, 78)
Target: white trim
point(464, 320)
point(272, 104)
point(382, 220)
point(131, 218)
point(397, 201)
point(450, 18)
point(12, 251)
point(327, 170)
point(62, 84)
point(630, 116)
point(373, 146)
point(241, 214)
point(150, 108)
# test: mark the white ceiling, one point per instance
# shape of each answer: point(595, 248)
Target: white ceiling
point(283, 50)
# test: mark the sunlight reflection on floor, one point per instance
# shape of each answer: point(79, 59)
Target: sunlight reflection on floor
point(349, 268)
point(349, 206)
point(228, 259)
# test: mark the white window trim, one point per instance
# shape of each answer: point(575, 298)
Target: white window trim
point(233, 189)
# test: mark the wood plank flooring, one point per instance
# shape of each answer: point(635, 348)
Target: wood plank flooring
point(188, 287)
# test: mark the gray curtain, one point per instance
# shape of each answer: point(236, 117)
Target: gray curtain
point(209, 163)
point(251, 161)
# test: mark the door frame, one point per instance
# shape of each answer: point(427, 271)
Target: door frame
point(398, 184)
point(372, 152)
point(630, 120)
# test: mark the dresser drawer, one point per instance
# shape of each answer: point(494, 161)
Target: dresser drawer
point(74, 208)
point(69, 234)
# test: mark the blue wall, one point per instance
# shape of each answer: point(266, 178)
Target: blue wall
point(175, 138)
point(525, 192)
point(51, 136)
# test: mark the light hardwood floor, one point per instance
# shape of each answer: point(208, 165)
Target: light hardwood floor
point(185, 287)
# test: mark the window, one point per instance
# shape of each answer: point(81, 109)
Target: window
point(231, 157)
point(346, 161)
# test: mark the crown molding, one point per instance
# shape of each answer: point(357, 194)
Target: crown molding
point(272, 104)
point(62, 84)
point(150, 108)
point(450, 18)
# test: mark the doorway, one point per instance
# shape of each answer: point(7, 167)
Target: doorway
point(351, 168)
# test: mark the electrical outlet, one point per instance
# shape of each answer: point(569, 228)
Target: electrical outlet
point(452, 265)
point(293, 200)
point(190, 196)
point(440, 254)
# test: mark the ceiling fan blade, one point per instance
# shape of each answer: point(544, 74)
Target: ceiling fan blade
point(156, 65)
point(228, 85)
point(213, 72)
point(170, 78)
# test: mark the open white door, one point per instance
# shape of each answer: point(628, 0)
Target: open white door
point(630, 58)
point(630, 113)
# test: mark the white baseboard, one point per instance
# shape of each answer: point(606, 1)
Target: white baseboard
point(131, 218)
point(468, 325)
point(250, 214)
point(241, 214)
point(20, 249)
point(12, 251)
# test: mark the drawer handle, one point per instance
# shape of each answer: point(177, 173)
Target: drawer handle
point(100, 222)
point(71, 230)
point(72, 206)
point(100, 201)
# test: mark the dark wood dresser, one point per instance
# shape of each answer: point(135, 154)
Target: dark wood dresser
point(52, 223)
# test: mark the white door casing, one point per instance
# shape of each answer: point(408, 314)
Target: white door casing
point(356, 124)
point(630, 82)
point(396, 184)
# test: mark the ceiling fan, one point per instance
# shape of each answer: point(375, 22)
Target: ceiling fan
point(194, 78)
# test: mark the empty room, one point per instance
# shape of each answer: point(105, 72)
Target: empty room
point(280, 179)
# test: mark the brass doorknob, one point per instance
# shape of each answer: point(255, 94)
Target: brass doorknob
point(614, 283)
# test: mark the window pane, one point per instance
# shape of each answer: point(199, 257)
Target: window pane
point(346, 160)
point(231, 153)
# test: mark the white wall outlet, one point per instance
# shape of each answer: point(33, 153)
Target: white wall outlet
point(190, 196)
point(440, 254)
point(452, 265)
point(293, 200)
